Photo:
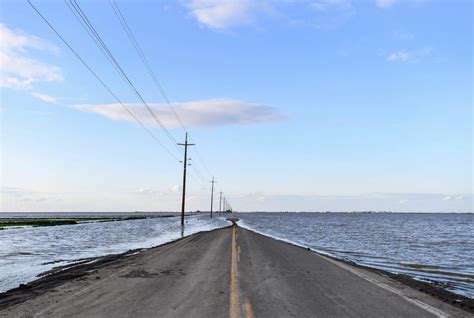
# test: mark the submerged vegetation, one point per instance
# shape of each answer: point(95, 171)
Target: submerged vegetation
point(34, 222)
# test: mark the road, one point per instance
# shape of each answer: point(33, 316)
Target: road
point(230, 272)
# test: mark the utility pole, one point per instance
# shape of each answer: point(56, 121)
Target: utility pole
point(212, 194)
point(224, 205)
point(220, 203)
point(185, 163)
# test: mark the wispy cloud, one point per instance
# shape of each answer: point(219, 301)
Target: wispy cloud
point(223, 14)
point(409, 55)
point(449, 197)
point(220, 14)
point(18, 69)
point(384, 4)
point(176, 188)
point(46, 98)
point(14, 191)
point(203, 113)
point(171, 191)
point(325, 5)
point(22, 195)
point(399, 56)
point(330, 14)
point(397, 202)
point(144, 191)
point(407, 36)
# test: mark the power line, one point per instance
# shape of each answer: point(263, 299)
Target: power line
point(198, 172)
point(89, 28)
point(201, 161)
point(104, 48)
point(133, 40)
point(125, 26)
point(100, 80)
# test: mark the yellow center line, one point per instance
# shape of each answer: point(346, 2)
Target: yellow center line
point(234, 308)
point(248, 309)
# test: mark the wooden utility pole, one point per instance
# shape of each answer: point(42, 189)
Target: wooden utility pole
point(185, 163)
point(212, 194)
point(220, 202)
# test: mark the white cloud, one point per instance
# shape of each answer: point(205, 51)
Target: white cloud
point(176, 188)
point(168, 192)
point(213, 112)
point(17, 69)
point(450, 197)
point(23, 196)
point(330, 14)
point(396, 202)
point(384, 4)
point(409, 56)
point(46, 98)
point(15, 192)
point(219, 14)
point(144, 191)
point(14, 39)
point(324, 5)
point(222, 14)
point(399, 56)
point(407, 36)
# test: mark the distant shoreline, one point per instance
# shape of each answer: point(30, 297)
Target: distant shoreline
point(235, 212)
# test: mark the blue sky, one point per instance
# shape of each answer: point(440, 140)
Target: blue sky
point(294, 105)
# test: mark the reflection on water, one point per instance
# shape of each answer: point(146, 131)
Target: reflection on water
point(433, 247)
point(27, 252)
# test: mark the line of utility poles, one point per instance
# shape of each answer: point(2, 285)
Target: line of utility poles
point(223, 204)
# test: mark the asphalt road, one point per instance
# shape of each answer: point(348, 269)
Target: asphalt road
point(230, 272)
point(282, 280)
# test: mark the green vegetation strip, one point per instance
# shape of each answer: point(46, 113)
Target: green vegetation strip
point(34, 222)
